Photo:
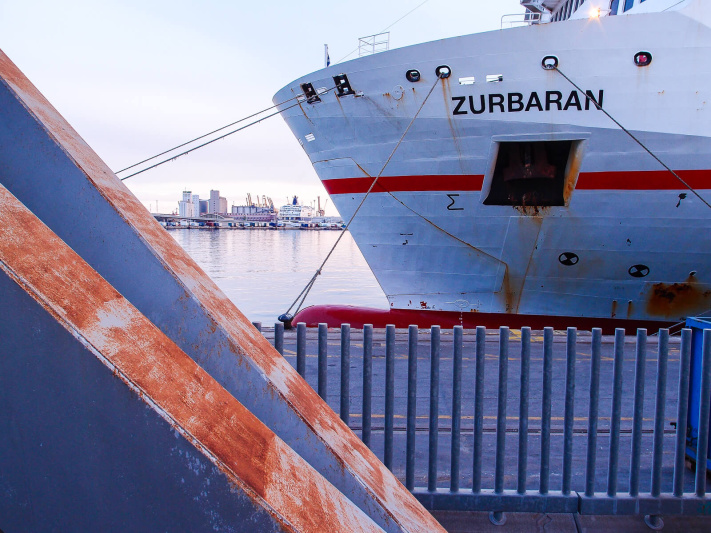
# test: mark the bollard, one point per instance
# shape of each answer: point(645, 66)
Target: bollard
point(613, 463)
point(569, 419)
point(301, 349)
point(478, 407)
point(323, 361)
point(279, 337)
point(345, 372)
point(411, 407)
point(434, 409)
point(640, 367)
point(546, 410)
point(655, 521)
point(682, 412)
point(367, 382)
point(257, 325)
point(702, 442)
point(456, 407)
point(593, 411)
point(389, 394)
point(523, 409)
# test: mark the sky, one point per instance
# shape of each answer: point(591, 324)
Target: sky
point(137, 77)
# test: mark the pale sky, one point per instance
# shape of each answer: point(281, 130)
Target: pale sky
point(136, 77)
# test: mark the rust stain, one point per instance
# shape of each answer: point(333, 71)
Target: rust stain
point(137, 352)
point(423, 305)
point(613, 312)
point(677, 300)
point(248, 345)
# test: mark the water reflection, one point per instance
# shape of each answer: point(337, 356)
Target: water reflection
point(262, 271)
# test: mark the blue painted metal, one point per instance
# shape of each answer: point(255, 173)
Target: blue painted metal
point(640, 368)
point(114, 234)
point(301, 349)
point(345, 372)
point(389, 395)
point(367, 382)
point(434, 410)
point(682, 411)
point(523, 409)
point(569, 409)
point(456, 406)
point(411, 407)
point(697, 325)
point(593, 412)
point(479, 407)
point(323, 361)
point(614, 454)
point(546, 410)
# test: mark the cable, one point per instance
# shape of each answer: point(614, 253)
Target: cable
point(386, 29)
point(635, 139)
point(207, 134)
point(173, 158)
point(286, 317)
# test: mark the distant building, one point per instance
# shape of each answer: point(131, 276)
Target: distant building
point(195, 199)
point(203, 206)
point(185, 206)
point(217, 204)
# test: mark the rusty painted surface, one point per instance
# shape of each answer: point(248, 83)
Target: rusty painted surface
point(246, 451)
point(245, 343)
point(677, 300)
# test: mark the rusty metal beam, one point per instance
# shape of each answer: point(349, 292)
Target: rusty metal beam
point(101, 375)
point(51, 170)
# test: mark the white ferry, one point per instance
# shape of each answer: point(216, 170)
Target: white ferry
point(295, 215)
point(507, 184)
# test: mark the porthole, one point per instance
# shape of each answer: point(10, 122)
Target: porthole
point(642, 59)
point(413, 75)
point(443, 71)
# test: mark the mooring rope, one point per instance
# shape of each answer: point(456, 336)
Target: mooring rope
point(286, 318)
point(635, 139)
point(174, 157)
point(207, 134)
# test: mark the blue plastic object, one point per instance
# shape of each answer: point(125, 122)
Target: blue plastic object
point(697, 326)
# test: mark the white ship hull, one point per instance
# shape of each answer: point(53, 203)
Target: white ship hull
point(629, 241)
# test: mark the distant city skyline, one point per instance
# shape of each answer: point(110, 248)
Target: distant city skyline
point(136, 78)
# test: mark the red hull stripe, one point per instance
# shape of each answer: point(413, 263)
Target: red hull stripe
point(649, 180)
point(335, 315)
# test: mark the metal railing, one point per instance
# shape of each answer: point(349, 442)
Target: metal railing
point(569, 476)
point(372, 44)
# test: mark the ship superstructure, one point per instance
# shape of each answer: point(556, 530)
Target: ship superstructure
point(512, 192)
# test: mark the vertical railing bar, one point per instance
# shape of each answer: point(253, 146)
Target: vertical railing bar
point(639, 374)
point(411, 407)
point(595, 359)
point(367, 382)
point(682, 412)
point(323, 360)
point(702, 443)
point(301, 349)
point(523, 409)
point(569, 416)
point(614, 457)
point(279, 337)
point(345, 373)
point(546, 410)
point(659, 412)
point(434, 409)
point(478, 407)
point(501, 410)
point(389, 394)
point(456, 408)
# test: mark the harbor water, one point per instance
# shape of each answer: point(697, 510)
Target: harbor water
point(263, 271)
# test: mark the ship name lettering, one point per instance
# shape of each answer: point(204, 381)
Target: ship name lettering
point(517, 102)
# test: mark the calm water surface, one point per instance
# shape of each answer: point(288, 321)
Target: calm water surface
point(263, 271)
